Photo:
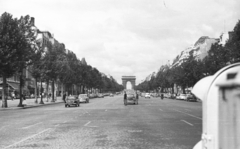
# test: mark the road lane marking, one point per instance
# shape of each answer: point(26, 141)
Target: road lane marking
point(27, 138)
point(188, 114)
point(131, 131)
point(187, 122)
point(85, 111)
point(31, 125)
point(86, 125)
point(160, 109)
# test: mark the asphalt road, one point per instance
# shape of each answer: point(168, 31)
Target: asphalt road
point(104, 123)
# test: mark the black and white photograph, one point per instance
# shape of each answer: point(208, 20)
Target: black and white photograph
point(119, 74)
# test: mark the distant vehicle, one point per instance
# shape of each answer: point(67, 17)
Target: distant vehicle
point(131, 96)
point(167, 95)
point(154, 94)
point(111, 95)
point(172, 96)
point(142, 94)
point(147, 95)
point(72, 100)
point(182, 97)
point(100, 95)
point(92, 96)
point(106, 94)
point(191, 97)
point(83, 98)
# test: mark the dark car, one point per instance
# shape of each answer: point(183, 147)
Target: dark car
point(191, 97)
point(72, 100)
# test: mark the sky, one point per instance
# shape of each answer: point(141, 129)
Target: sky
point(128, 37)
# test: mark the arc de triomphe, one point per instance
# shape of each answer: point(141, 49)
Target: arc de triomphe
point(131, 79)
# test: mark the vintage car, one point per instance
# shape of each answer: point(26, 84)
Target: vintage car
point(182, 97)
point(131, 96)
point(147, 95)
point(83, 98)
point(191, 97)
point(100, 95)
point(72, 100)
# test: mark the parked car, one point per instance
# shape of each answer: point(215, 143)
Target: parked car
point(153, 94)
point(191, 97)
point(83, 98)
point(111, 95)
point(100, 95)
point(167, 95)
point(147, 95)
point(91, 96)
point(72, 100)
point(182, 97)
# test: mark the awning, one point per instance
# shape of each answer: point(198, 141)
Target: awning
point(13, 85)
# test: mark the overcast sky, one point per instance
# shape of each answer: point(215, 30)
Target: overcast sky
point(128, 37)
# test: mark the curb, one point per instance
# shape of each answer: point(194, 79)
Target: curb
point(30, 106)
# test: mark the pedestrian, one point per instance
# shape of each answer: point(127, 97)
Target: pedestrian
point(24, 103)
point(125, 98)
point(13, 95)
point(64, 97)
point(162, 96)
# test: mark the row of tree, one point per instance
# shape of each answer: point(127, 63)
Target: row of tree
point(192, 69)
point(48, 62)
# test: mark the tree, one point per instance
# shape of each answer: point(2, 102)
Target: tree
point(12, 40)
point(217, 58)
point(233, 44)
point(35, 67)
point(64, 70)
point(27, 50)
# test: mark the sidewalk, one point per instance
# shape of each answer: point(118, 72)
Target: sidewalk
point(13, 104)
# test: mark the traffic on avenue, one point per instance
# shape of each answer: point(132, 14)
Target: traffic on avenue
point(153, 123)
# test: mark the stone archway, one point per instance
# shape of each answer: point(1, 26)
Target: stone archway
point(131, 79)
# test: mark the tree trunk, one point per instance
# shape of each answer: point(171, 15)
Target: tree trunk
point(47, 88)
point(4, 99)
point(55, 91)
point(41, 102)
point(20, 89)
point(35, 94)
point(183, 89)
point(62, 92)
point(72, 89)
point(52, 91)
